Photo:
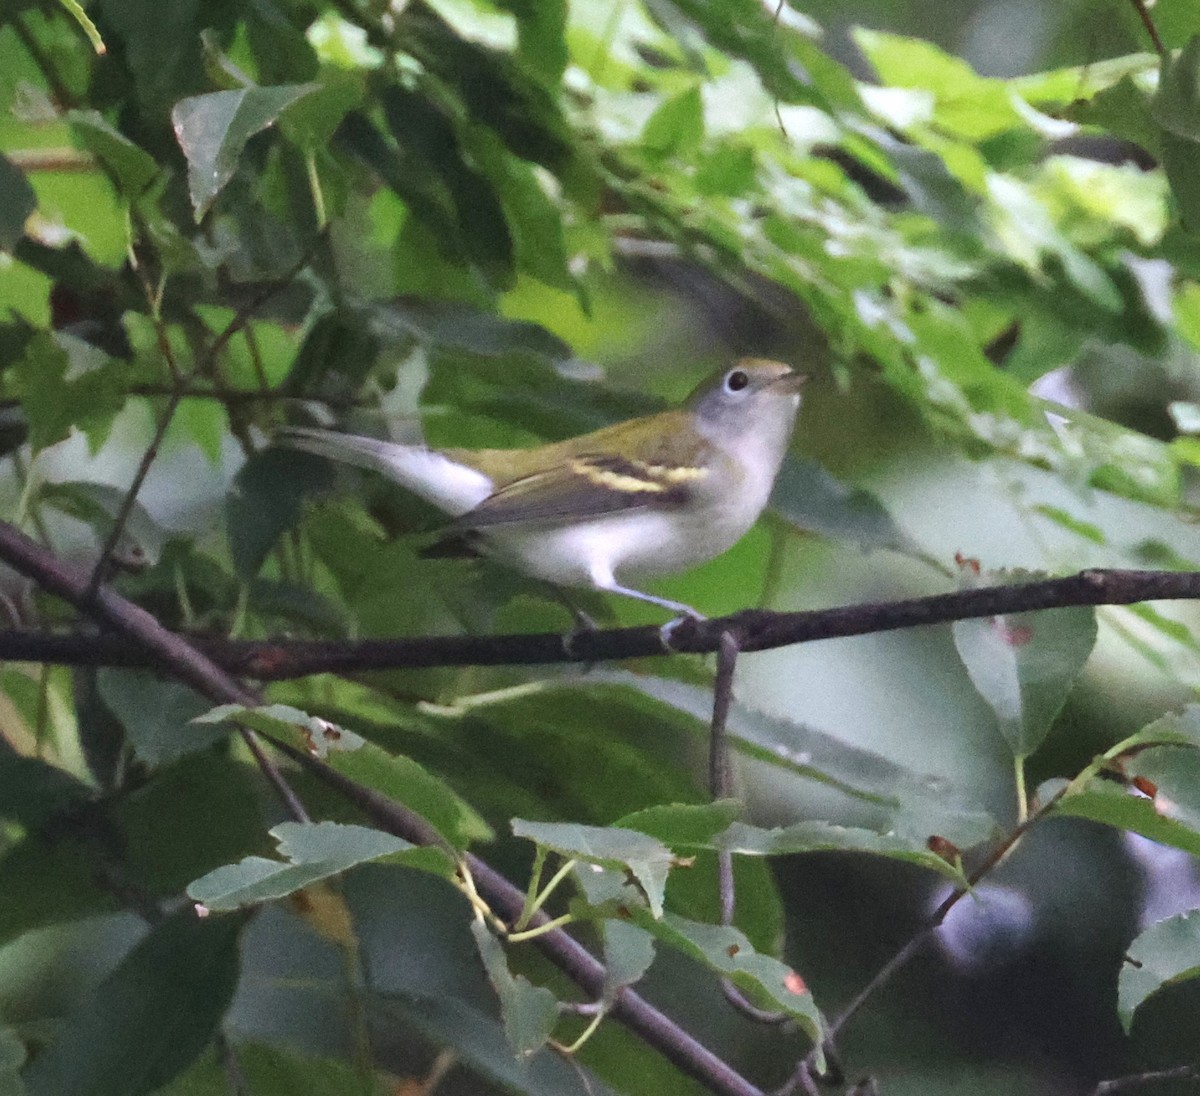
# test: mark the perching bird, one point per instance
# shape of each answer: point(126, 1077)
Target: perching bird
point(644, 497)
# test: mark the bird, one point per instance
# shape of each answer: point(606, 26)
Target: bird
point(644, 497)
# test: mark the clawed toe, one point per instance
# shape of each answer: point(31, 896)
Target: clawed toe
point(584, 624)
point(669, 629)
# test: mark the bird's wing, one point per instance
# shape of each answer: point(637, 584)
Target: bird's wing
point(586, 485)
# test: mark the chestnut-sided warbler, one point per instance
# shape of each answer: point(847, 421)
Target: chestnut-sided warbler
point(643, 497)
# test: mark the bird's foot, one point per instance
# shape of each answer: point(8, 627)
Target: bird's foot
point(667, 632)
point(583, 625)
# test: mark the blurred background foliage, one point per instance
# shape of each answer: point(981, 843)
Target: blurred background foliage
point(503, 223)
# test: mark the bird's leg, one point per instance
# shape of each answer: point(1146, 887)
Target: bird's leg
point(665, 632)
point(583, 622)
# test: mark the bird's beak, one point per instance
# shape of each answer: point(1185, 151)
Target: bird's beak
point(790, 382)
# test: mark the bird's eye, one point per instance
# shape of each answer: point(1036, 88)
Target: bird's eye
point(736, 380)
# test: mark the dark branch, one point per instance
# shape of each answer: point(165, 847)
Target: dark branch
point(757, 630)
point(1144, 15)
point(1144, 1080)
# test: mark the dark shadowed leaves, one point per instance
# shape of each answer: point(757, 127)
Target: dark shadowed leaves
point(17, 201)
point(150, 1018)
point(157, 714)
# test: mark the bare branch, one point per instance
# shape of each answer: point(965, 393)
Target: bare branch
point(757, 629)
point(1143, 1080)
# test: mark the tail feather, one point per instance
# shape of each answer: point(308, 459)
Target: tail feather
point(452, 487)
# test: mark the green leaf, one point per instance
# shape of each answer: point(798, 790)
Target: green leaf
point(212, 130)
point(17, 202)
point(62, 382)
point(910, 804)
point(157, 714)
point(683, 824)
point(1113, 805)
point(534, 218)
point(730, 170)
point(530, 1012)
point(1080, 84)
point(1125, 110)
point(312, 121)
point(726, 951)
point(1176, 106)
point(415, 939)
point(750, 31)
point(714, 826)
point(541, 36)
point(1165, 954)
point(677, 127)
point(809, 497)
point(315, 851)
point(1024, 665)
point(265, 499)
point(150, 1018)
point(1181, 162)
point(336, 356)
point(395, 776)
point(628, 953)
point(168, 822)
point(966, 104)
point(132, 168)
point(49, 879)
point(495, 90)
point(817, 836)
point(12, 1058)
point(453, 324)
point(427, 137)
point(33, 790)
point(648, 860)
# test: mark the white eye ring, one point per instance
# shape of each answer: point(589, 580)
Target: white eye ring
point(736, 380)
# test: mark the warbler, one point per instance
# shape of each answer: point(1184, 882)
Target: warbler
point(643, 497)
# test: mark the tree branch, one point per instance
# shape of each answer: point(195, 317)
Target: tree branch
point(1189, 1072)
point(756, 629)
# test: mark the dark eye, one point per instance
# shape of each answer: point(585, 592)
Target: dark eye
point(737, 380)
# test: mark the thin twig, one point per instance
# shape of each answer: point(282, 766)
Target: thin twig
point(719, 775)
point(916, 942)
point(52, 160)
point(234, 1076)
point(1154, 1077)
point(129, 501)
point(100, 570)
point(264, 294)
point(1148, 22)
point(720, 786)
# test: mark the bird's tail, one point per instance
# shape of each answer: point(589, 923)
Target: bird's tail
point(452, 487)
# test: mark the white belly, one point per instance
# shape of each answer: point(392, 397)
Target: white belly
point(626, 546)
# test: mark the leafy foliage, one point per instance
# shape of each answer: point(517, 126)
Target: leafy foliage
point(503, 223)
